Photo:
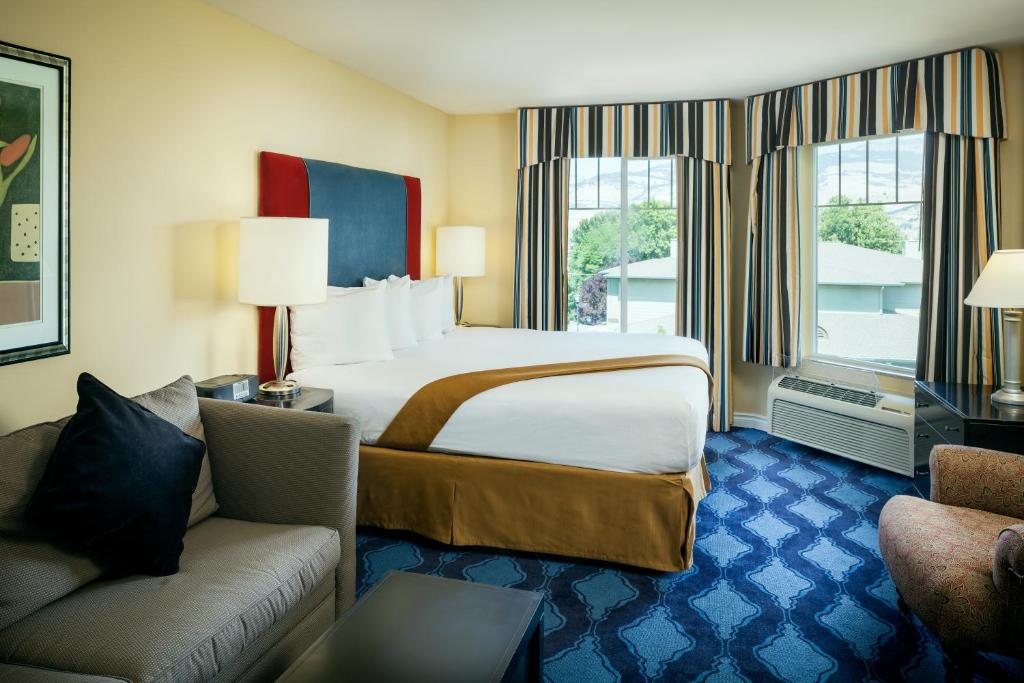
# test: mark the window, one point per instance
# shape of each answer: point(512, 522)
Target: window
point(622, 245)
point(868, 253)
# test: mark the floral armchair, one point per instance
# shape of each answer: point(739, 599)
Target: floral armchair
point(958, 559)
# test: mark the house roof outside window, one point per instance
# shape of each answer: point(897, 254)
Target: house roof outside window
point(838, 264)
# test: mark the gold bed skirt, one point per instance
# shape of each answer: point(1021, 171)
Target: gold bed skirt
point(644, 520)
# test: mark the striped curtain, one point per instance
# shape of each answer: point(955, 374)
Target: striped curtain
point(958, 95)
point(771, 311)
point(703, 270)
point(960, 226)
point(698, 134)
point(542, 246)
point(697, 129)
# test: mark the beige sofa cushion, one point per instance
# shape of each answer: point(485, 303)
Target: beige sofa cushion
point(24, 454)
point(34, 573)
point(11, 673)
point(237, 580)
point(23, 458)
point(38, 571)
point(178, 404)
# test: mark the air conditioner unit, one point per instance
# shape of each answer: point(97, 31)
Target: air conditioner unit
point(867, 426)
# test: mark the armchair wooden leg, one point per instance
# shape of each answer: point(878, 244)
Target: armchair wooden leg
point(959, 664)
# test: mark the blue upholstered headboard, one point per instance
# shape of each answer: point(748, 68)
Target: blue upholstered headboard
point(374, 220)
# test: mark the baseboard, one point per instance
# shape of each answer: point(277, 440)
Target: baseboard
point(750, 421)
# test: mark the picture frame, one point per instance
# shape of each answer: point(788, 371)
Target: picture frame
point(35, 154)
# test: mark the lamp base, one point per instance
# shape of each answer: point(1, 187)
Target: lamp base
point(280, 388)
point(1008, 397)
point(1010, 393)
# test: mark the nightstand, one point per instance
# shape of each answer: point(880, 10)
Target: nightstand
point(311, 398)
point(960, 414)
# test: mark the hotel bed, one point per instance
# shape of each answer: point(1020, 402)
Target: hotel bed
point(650, 421)
point(605, 465)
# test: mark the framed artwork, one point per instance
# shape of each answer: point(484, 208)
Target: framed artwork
point(35, 109)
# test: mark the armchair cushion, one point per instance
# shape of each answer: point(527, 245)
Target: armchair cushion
point(940, 558)
point(238, 581)
point(978, 478)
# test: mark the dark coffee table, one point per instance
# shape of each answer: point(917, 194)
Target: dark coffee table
point(413, 627)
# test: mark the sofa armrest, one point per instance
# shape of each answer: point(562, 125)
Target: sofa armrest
point(287, 467)
point(978, 478)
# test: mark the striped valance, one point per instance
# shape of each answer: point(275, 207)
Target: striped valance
point(959, 93)
point(697, 129)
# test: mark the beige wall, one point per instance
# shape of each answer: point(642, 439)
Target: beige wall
point(482, 191)
point(171, 100)
point(1011, 163)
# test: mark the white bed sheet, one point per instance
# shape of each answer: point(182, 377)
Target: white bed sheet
point(652, 420)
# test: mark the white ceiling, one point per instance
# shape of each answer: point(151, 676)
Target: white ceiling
point(478, 56)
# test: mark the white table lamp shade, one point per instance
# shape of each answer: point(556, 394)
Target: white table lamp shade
point(461, 251)
point(1001, 283)
point(282, 261)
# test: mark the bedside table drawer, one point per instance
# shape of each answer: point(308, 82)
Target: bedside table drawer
point(949, 429)
point(947, 426)
point(927, 408)
point(925, 438)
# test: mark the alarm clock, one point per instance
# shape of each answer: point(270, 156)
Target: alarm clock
point(229, 387)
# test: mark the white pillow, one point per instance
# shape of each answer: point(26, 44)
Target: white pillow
point(448, 303)
point(398, 298)
point(426, 308)
point(350, 327)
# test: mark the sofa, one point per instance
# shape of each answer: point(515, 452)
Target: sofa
point(958, 559)
point(260, 579)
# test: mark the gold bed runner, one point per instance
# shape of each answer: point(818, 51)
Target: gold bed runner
point(429, 409)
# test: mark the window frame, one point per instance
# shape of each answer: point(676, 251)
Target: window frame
point(830, 359)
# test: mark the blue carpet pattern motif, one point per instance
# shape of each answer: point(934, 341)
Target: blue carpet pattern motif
point(787, 583)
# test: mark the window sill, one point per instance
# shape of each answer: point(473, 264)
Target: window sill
point(877, 368)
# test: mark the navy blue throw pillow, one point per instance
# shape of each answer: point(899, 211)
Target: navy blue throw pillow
point(119, 483)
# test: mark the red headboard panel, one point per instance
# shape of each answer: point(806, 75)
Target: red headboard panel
point(284, 191)
point(284, 186)
point(412, 228)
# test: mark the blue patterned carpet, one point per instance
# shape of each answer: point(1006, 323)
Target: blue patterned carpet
point(787, 583)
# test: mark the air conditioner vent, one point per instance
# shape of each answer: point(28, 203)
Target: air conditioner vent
point(869, 442)
point(861, 398)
